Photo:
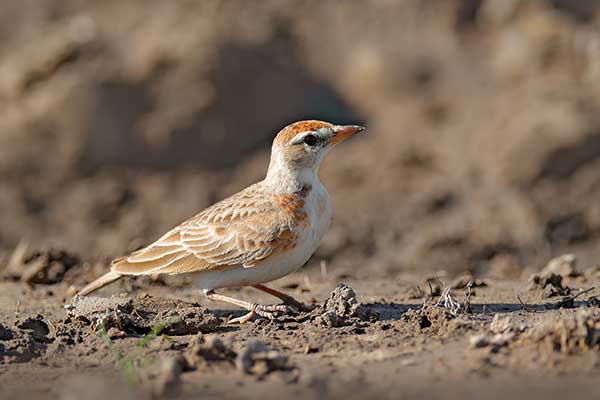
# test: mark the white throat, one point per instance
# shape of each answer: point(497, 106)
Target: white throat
point(283, 178)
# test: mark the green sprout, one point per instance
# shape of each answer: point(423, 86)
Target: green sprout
point(131, 363)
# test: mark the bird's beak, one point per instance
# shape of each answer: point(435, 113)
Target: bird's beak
point(343, 132)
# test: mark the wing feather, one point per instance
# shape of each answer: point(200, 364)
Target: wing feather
point(239, 231)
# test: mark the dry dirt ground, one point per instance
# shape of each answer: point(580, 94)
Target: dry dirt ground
point(392, 338)
point(120, 119)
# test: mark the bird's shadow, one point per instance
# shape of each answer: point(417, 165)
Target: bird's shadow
point(394, 311)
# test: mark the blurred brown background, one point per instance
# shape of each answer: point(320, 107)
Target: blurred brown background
point(119, 119)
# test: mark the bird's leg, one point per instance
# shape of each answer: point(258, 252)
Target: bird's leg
point(289, 300)
point(253, 308)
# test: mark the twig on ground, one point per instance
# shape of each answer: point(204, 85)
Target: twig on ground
point(421, 293)
point(468, 293)
point(568, 301)
point(448, 301)
point(523, 305)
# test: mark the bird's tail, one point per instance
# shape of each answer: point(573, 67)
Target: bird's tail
point(99, 283)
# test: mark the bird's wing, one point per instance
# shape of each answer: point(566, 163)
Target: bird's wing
point(239, 231)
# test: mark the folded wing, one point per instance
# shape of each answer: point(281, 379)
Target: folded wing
point(239, 231)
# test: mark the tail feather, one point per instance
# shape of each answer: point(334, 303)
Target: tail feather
point(99, 283)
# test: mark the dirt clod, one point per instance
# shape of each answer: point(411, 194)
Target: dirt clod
point(573, 333)
point(340, 308)
point(258, 359)
point(433, 319)
point(36, 327)
point(506, 323)
point(141, 314)
point(28, 341)
point(168, 381)
point(494, 340)
point(565, 266)
point(208, 349)
point(42, 267)
point(551, 278)
point(550, 284)
point(462, 281)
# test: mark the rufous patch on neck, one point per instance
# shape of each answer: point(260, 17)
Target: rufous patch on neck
point(292, 205)
point(290, 131)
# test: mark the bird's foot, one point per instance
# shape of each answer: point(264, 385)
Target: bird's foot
point(287, 299)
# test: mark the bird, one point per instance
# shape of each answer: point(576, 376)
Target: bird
point(262, 233)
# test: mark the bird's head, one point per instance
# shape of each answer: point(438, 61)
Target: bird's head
point(300, 147)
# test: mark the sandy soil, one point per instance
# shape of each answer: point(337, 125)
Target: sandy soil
point(119, 120)
point(372, 337)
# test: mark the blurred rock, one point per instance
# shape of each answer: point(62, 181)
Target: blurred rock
point(572, 333)
point(564, 266)
point(497, 340)
point(505, 323)
point(550, 284)
point(42, 267)
point(462, 281)
point(550, 278)
point(209, 348)
point(257, 359)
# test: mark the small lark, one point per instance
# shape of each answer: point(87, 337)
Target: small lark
point(260, 234)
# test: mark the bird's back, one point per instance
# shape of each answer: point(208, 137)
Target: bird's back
point(242, 230)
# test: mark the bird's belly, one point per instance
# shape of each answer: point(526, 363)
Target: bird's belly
point(275, 267)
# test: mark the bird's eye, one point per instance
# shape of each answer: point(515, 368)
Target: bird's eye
point(310, 140)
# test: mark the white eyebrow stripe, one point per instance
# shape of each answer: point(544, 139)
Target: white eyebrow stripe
point(299, 137)
point(321, 133)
